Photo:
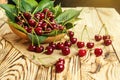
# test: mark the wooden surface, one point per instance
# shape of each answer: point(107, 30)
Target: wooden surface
point(14, 65)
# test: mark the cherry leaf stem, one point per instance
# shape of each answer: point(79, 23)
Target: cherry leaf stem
point(37, 39)
point(32, 37)
point(87, 32)
point(47, 22)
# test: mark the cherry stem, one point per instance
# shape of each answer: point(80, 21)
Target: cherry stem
point(37, 39)
point(103, 26)
point(85, 28)
point(32, 37)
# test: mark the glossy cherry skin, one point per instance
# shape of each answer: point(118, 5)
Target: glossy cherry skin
point(65, 50)
point(106, 37)
point(31, 47)
point(38, 30)
point(59, 45)
point(27, 15)
point(73, 40)
point(98, 37)
point(98, 52)
point(67, 43)
point(32, 22)
point(49, 50)
point(53, 45)
point(82, 52)
point(107, 42)
point(90, 45)
point(39, 49)
point(59, 68)
point(70, 34)
point(80, 44)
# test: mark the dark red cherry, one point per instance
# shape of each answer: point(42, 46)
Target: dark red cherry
point(39, 49)
point(59, 68)
point(38, 30)
point(106, 37)
point(27, 15)
point(49, 50)
point(32, 22)
point(82, 52)
point(31, 47)
point(65, 50)
point(70, 34)
point(98, 52)
point(53, 45)
point(80, 44)
point(90, 45)
point(98, 37)
point(73, 40)
point(107, 42)
point(67, 43)
point(60, 45)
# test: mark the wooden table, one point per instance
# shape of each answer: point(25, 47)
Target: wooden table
point(15, 66)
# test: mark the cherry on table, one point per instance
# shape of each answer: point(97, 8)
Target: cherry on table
point(70, 34)
point(39, 49)
point(31, 47)
point(65, 50)
point(106, 37)
point(67, 43)
point(59, 45)
point(80, 44)
point(49, 50)
point(59, 68)
point(98, 37)
point(53, 45)
point(107, 42)
point(90, 45)
point(60, 61)
point(82, 52)
point(73, 40)
point(98, 52)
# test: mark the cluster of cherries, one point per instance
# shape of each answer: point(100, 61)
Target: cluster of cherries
point(40, 22)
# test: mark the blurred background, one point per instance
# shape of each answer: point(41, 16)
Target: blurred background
point(90, 3)
point(84, 3)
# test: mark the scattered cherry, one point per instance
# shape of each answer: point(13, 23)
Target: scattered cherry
point(106, 37)
point(31, 47)
point(65, 50)
point(82, 52)
point(67, 43)
point(53, 45)
point(59, 45)
point(49, 50)
point(80, 44)
point(107, 42)
point(70, 34)
point(39, 49)
point(38, 30)
point(90, 45)
point(73, 40)
point(61, 60)
point(98, 37)
point(59, 68)
point(98, 52)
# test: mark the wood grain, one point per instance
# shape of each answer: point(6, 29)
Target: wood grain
point(14, 65)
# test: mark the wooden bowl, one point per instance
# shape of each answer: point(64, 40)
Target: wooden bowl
point(48, 40)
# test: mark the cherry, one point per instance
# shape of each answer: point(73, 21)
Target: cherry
point(80, 44)
point(65, 50)
point(46, 10)
point(98, 52)
point(59, 68)
point(90, 45)
point(18, 18)
point(39, 24)
point(60, 27)
point(73, 40)
point(107, 42)
point(31, 47)
point(70, 34)
point(61, 60)
point(50, 14)
point(29, 30)
point(20, 23)
point(44, 25)
point(98, 37)
point(42, 15)
point(32, 22)
point(26, 28)
point(67, 43)
point(37, 15)
point(38, 30)
point(106, 37)
point(60, 45)
point(49, 50)
point(53, 45)
point(27, 15)
point(82, 52)
point(39, 49)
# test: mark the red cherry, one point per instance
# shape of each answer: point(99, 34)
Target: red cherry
point(38, 30)
point(65, 50)
point(32, 22)
point(29, 30)
point(61, 60)
point(26, 28)
point(90, 45)
point(46, 10)
point(60, 27)
point(59, 68)
point(44, 25)
point(53, 45)
point(106, 37)
point(37, 15)
point(70, 34)
point(42, 15)
point(98, 52)
point(73, 40)
point(27, 15)
point(98, 37)
point(49, 50)
point(67, 43)
point(31, 47)
point(59, 45)
point(80, 44)
point(39, 49)
point(39, 24)
point(82, 52)
point(50, 15)
point(107, 42)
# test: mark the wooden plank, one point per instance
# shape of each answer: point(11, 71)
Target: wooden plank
point(15, 66)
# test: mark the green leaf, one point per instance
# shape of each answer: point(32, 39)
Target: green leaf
point(69, 25)
point(36, 38)
point(57, 10)
point(67, 15)
point(43, 4)
point(25, 5)
point(17, 27)
point(10, 10)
